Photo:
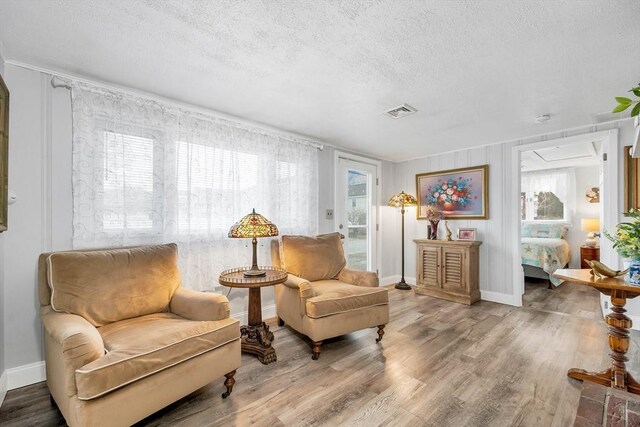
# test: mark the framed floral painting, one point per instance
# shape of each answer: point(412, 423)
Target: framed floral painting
point(459, 193)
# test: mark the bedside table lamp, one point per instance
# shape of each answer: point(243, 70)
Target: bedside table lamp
point(252, 226)
point(401, 200)
point(592, 226)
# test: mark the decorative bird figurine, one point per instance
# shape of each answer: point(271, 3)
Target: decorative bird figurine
point(601, 270)
point(446, 224)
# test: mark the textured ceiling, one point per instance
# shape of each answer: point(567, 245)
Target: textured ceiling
point(477, 71)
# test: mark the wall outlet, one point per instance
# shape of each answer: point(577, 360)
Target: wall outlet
point(606, 305)
point(329, 214)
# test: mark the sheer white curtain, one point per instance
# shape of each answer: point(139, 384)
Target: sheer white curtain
point(144, 172)
point(561, 182)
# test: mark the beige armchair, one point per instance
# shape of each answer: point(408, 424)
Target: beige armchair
point(321, 298)
point(123, 339)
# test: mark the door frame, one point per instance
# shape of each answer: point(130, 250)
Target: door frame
point(337, 155)
point(610, 201)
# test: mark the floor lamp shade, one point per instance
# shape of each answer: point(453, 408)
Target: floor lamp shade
point(402, 200)
point(253, 226)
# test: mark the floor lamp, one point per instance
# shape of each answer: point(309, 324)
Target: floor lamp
point(401, 200)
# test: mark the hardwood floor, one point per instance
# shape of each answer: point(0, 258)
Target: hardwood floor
point(439, 364)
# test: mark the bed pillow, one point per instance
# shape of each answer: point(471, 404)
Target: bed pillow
point(552, 231)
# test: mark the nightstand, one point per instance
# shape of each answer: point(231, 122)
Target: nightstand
point(588, 253)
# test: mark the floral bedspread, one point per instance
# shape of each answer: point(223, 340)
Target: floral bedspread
point(547, 253)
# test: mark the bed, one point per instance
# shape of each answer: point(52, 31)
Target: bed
point(544, 250)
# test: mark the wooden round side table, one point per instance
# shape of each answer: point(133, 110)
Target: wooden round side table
point(256, 337)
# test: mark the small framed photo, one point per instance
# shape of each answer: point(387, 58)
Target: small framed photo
point(466, 234)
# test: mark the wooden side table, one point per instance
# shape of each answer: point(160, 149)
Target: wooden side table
point(588, 253)
point(619, 324)
point(256, 337)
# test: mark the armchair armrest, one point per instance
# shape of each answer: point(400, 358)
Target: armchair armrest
point(71, 342)
point(78, 339)
point(301, 285)
point(194, 305)
point(359, 278)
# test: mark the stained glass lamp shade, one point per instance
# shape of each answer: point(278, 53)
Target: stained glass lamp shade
point(253, 226)
point(401, 200)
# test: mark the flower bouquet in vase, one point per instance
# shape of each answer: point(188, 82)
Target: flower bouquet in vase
point(626, 241)
point(451, 194)
point(434, 216)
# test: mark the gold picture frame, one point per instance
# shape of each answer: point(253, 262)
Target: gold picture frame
point(461, 193)
point(4, 154)
point(631, 180)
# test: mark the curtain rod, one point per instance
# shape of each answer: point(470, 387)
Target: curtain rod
point(67, 82)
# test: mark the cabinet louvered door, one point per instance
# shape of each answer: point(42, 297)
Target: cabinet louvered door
point(453, 269)
point(430, 262)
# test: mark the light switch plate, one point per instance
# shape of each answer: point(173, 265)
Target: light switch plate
point(329, 214)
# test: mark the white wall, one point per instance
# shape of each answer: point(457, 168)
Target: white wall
point(494, 255)
point(496, 259)
point(587, 176)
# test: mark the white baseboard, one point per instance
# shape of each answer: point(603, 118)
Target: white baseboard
point(268, 311)
point(25, 375)
point(391, 280)
point(498, 297)
point(3, 386)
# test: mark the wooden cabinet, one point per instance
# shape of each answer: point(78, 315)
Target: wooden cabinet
point(448, 269)
point(588, 253)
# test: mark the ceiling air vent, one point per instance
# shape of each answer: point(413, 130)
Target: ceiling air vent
point(400, 111)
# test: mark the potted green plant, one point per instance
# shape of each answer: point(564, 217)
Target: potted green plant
point(624, 102)
point(626, 241)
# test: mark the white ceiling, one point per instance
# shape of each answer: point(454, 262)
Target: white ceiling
point(477, 71)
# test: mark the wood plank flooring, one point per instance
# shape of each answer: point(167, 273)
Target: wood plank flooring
point(439, 364)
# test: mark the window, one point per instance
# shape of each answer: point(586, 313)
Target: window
point(205, 177)
point(548, 207)
point(548, 195)
point(145, 172)
point(128, 180)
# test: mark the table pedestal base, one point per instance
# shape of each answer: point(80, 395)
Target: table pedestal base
point(257, 340)
point(623, 380)
point(619, 324)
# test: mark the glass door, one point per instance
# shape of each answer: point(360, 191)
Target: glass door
point(356, 213)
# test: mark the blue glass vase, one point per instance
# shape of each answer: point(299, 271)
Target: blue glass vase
point(634, 272)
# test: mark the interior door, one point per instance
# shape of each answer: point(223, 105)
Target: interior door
point(356, 214)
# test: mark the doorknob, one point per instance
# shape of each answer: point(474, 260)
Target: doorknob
point(340, 227)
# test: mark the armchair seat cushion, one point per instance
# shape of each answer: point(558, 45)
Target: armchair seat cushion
point(142, 346)
point(333, 297)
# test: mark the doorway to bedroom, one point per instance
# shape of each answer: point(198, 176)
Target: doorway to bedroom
point(560, 214)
